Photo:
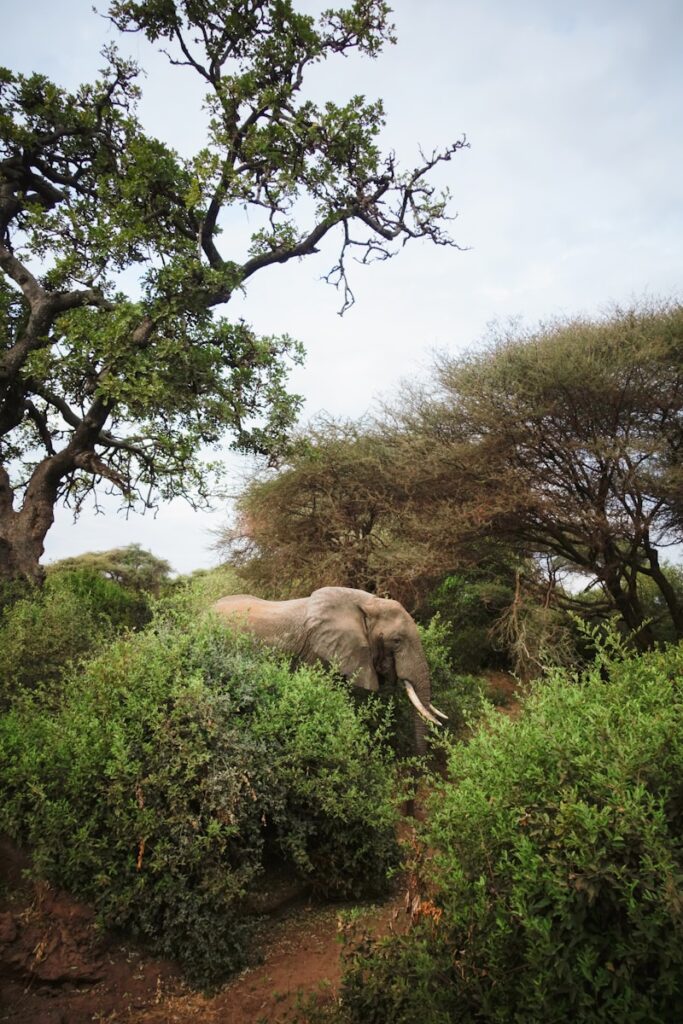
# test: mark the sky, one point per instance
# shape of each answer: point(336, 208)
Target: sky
point(569, 199)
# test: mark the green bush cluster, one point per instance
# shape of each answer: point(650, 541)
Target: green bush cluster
point(137, 570)
point(553, 865)
point(43, 630)
point(470, 608)
point(179, 762)
point(461, 697)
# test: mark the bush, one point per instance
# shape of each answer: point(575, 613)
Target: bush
point(44, 630)
point(469, 607)
point(179, 760)
point(461, 697)
point(555, 865)
point(136, 570)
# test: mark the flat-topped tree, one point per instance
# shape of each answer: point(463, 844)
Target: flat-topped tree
point(103, 388)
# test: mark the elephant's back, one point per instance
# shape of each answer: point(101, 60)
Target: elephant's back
point(241, 608)
point(246, 602)
point(237, 601)
point(275, 622)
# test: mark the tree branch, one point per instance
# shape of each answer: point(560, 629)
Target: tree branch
point(68, 415)
point(41, 424)
point(22, 276)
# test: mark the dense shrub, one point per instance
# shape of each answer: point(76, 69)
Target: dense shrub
point(43, 630)
point(179, 760)
point(461, 697)
point(555, 868)
point(137, 570)
point(469, 608)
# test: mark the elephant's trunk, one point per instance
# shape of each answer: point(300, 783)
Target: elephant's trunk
point(413, 672)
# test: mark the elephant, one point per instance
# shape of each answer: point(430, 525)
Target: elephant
point(367, 639)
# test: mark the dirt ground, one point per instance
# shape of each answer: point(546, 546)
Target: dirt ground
point(55, 968)
point(505, 691)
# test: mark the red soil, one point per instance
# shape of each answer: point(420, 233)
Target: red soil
point(55, 968)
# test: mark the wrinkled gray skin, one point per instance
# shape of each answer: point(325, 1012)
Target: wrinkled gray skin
point(369, 639)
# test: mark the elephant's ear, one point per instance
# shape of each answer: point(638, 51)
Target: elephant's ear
point(337, 633)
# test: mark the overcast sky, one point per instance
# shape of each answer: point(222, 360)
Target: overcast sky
point(569, 199)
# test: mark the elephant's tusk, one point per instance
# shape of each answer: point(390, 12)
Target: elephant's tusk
point(418, 705)
point(439, 713)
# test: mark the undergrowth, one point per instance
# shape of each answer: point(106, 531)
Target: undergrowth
point(551, 865)
point(175, 764)
point(44, 631)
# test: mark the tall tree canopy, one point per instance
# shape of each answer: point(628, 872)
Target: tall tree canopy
point(329, 517)
point(102, 385)
point(564, 440)
point(562, 446)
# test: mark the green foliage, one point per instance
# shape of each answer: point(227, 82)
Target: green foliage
point(122, 206)
point(43, 631)
point(566, 441)
point(333, 816)
point(464, 701)
point(177, 764)
point(131, 566)
point(555, 865)
point(654, 605)
point(471, 604)
point(461, 697)
point(132, 389)
point(495, 622)
point(590, 605)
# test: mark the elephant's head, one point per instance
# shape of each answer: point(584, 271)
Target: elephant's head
point(371, 638)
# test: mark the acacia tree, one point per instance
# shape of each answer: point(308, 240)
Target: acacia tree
point(555, 452)
point(132, 567)
point(353, 504)
point(562, 442)
point(326, 517)
point(99, 386)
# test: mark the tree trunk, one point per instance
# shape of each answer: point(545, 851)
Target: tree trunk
point(630, 609)
point(665, 588)
point(23, 532)
point(22, 542)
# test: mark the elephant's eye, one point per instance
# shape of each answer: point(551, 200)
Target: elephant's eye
point(395, 641)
